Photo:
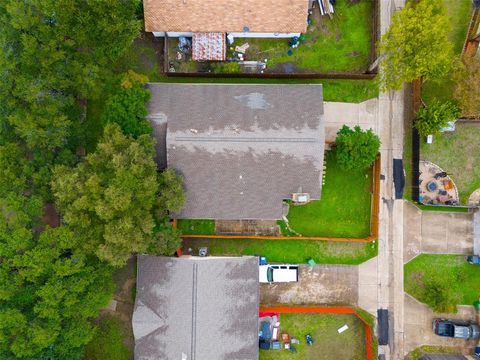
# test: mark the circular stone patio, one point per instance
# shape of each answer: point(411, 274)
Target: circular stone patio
point(474, 198)
point(436, 187)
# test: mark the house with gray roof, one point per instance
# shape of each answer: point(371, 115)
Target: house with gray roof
point(193, 308)
point(241, 149)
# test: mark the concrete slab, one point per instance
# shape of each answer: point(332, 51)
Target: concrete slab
point(434, 232)
point(368, 286)
point(321, 284)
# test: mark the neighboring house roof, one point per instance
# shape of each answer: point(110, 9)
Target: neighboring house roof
point(242, 149)
point(226, 15)
point(196, 308)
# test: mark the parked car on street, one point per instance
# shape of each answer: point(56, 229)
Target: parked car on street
point(278, 273)
point(473, 259)
point(456, 329)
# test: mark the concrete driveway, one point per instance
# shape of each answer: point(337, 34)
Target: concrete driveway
point(321, 284)
point(418, 326)
point(436, 232)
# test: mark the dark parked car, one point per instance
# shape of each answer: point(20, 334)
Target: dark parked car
point(456, 329)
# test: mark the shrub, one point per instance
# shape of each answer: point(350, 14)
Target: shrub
point(108, 342)
point(127, 106)
point(432, 118)
point(356, 149)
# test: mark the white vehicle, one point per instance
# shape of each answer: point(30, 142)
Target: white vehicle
point(278, 273)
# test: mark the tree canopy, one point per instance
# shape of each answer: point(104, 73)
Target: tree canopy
point(432, 118)
point(107, 200)
point(416, 44)
point(356, 149)
point(126, 106)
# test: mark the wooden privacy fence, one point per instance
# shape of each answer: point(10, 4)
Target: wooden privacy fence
point(374, 220)
point(327, 310)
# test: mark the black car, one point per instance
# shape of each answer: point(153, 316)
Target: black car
point(456, 329)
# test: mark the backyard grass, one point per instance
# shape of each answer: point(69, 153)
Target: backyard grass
point(331, 45)
point(108, 342)
point(459, 278)
point(458, 153)
point(196, 226)
point(328, 343)
point(459, 14)
point(287, 251)
point(354, 91)
point(344, 208)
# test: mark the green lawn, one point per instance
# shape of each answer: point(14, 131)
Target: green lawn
point(458, 153)
point(331, 45)
point(343, 210)
point(460, 279)
point(196, 226)
point(108, 342)
point(441, 208)
point(288, 251)
point(459, 12)
point(328, 343)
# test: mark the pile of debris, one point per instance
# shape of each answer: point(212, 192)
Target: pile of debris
point(326, 7)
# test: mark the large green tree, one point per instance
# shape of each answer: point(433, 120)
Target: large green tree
point(432, 118)
point(416, 44)
point(356, 149)
point(53, 53)
point(108, 199)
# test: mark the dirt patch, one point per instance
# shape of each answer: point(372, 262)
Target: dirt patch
point(247, 227)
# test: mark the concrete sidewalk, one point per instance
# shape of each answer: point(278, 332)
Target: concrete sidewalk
point(337, 114)
point(436, 232)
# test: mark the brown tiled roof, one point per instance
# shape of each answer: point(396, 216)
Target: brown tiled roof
point(226, 15)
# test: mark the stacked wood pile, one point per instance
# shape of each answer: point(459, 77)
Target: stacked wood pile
point(326, 7)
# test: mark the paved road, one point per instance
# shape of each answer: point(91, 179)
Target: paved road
point(436, 232)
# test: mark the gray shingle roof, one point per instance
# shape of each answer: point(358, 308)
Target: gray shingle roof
point(201, 308)
point(242, 149)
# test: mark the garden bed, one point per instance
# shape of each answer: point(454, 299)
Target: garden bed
point(286, 251)
point(327, 341)
point(342, 43)
point(445, 280)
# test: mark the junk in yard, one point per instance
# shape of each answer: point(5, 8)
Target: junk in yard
point(203, 251)
point(184, 44)
point(309, 339)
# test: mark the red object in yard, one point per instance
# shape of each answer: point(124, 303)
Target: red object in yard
point(179, 252)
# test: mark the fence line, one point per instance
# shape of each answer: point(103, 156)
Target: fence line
point(327, 310)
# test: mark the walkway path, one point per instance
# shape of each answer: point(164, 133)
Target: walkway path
point(336, 114)
point(436, 232)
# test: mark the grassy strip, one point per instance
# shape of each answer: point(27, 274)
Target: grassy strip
point(288, 251)
point(415, 354)
point(354, 91)
point(196, 226)
point(326, 340)
point(441, 208)
point(450, 276)
point(344, 209)
point(108, 342)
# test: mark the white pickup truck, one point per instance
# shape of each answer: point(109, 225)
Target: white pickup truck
point(278, 273)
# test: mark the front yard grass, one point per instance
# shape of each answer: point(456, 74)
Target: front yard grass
point(459, 279)
point(457, 153)
point(287, 251)
point(344, 208)
point(331, 45)
point(459, 14)
point(328, 343)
